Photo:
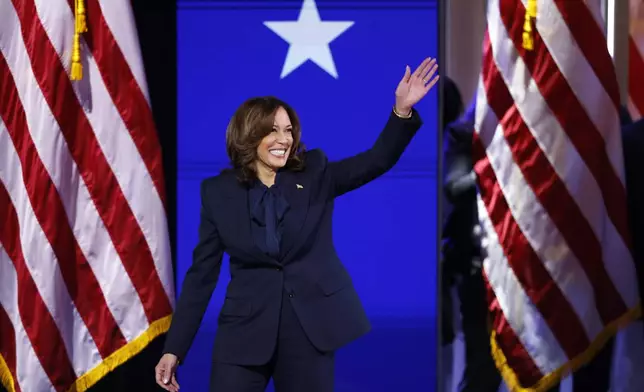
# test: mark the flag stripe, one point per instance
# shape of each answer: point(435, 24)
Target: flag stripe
point(28, 366)
point(48, 208)
point(87, 227)
point(119, 19)
point(8, 344)
point(506, 340)
point(522, 188)
point(562, 154)
point(521, 315)
point(125, 92)
point(48, 240)
point(575, 232)
point(636, 76)
point(123, 157)
point(81, 147)
point(583, 36)
point(524, 261)
point(585, 136)
point(589, 78)
point(35, 316)
point(536, 189)
point(96, 172)
point(550, 172)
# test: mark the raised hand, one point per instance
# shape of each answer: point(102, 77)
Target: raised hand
point(413, 87)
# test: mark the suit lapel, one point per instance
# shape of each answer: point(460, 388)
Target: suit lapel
point(297, 192)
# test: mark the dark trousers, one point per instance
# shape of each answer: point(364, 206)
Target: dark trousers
point(296, 365)
point(480, 373)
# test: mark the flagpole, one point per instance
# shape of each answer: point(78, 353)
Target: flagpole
point(617, 19)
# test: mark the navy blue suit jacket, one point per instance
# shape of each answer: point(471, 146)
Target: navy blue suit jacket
point(308, 267)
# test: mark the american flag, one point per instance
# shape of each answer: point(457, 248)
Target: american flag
point(636, 60)
point(85, 272)
point(552, 203)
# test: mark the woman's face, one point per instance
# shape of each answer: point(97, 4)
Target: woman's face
point(273, 151)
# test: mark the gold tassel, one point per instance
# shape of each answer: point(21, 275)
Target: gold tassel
point(80, 26)
point(530, 15)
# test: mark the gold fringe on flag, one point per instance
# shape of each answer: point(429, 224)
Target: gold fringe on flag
point(80, 26)
point(530, 15)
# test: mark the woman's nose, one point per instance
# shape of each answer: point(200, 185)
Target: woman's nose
point(281, 137)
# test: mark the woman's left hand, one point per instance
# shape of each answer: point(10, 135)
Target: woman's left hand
point(413, 87)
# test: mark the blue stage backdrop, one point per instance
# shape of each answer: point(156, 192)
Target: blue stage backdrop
point(384, 232)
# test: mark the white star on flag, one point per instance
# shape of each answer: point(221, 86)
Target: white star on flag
point(309, 39)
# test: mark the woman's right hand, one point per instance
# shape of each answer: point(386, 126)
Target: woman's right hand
point(165, 372)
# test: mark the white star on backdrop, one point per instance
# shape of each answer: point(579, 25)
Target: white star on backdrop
point(309, 39)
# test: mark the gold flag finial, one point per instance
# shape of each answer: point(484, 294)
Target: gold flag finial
point(530, 15)
point(80, 26)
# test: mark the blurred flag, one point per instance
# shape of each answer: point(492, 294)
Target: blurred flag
point(636, 60)
point(549, 161)
point(85, 271)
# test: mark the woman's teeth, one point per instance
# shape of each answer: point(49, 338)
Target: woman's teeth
point(277, 153)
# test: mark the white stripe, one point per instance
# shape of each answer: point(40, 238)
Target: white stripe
point(43, 264)
point(525, 320)
point(115, 141)
point(571, 169)
point(29, 372)
point(542, 234)
point(583, 81)
point(120, 20)
point(88, 228)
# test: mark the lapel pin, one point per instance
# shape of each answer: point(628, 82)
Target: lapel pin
point(299, 186)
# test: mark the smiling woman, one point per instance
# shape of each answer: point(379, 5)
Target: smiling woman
point(290, 303)
point(262, 137)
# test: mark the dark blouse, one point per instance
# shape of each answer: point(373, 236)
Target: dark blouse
point(267, 210)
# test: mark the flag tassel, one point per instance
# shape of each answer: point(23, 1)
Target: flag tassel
point(80, 26)
point(530, 15)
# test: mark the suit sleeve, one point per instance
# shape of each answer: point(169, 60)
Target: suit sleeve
point(198, 284)
point(459, 179)
point(353, 172)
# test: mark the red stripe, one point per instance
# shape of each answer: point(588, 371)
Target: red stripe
point(528, 268)
point(587, 33)
point(551, 192)
point(8, 346)
point(97, 174)
point(125, 92)
point(636, 76)
point(572, 116)
point(548, 187)
point(508, 342)
point(40, 327)
point(49, 209)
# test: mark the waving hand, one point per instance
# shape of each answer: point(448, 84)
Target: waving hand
point(413, 87)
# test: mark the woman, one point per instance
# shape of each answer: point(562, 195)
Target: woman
point(290, 303)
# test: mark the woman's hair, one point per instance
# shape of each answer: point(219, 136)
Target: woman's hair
point(252, 121)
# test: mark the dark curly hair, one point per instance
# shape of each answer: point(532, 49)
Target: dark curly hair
point(252, 121)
